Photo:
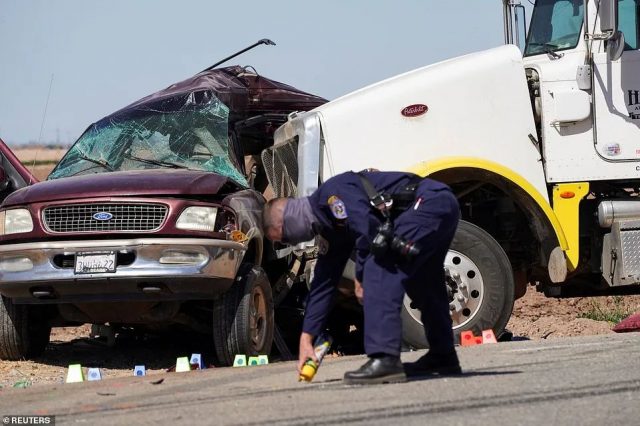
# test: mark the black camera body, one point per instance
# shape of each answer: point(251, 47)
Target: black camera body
point(387, 242)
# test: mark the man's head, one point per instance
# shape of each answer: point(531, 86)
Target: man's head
point(288, 220)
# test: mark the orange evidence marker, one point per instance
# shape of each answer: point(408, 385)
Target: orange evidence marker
point(468, 339)
point(489, 337)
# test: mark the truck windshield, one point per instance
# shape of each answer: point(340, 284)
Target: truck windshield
point(555, 25)
point(193, 136)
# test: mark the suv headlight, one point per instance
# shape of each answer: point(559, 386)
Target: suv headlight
point(15, 221)
point(197, 218)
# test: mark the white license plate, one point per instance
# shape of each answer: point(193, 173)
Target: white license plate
point(94, 263)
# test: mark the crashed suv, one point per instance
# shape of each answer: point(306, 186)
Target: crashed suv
point(151, 219)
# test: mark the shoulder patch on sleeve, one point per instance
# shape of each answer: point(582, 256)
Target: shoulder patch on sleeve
point(337, 207)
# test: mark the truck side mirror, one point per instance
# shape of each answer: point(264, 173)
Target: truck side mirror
point(615, 46)
point(609, 28)
point(609, 17)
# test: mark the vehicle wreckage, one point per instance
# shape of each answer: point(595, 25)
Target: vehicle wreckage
point(151, 220)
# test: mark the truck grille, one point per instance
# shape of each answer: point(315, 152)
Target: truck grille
point(281, 166)
point(124, 217)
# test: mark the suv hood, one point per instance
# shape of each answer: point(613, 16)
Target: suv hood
point(125, 184)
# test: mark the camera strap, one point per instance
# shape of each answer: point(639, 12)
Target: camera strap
point(377, 199)
point(403, 198)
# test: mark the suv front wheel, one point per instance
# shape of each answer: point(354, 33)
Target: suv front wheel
point(243, 319)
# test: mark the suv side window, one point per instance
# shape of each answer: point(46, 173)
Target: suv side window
point(629, 22)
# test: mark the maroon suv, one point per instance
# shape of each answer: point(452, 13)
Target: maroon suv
point(151, 219)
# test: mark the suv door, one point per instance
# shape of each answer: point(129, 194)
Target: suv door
point(13, 175)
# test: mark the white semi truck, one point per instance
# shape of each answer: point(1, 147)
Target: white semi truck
point(542, 148)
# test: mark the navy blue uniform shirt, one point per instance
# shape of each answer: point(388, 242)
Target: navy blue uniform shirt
point(347, 222)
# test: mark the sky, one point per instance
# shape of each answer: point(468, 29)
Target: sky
point(104, 55)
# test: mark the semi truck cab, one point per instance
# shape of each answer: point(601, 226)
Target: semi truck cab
point(540, 144)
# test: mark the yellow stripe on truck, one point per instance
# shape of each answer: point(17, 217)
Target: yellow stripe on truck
point(429, 167)
point(566, 205)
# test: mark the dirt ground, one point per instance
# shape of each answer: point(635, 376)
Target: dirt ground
point(73, 345)
point(534, 317)
point(538, 317)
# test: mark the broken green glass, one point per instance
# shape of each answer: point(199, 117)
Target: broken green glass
point(195, 137)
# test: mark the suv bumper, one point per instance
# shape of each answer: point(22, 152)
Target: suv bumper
point(146, 269)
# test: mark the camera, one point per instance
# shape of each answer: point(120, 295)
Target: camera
point(387, 241)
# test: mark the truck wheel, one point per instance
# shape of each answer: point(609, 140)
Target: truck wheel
point(480, 284)
point(23, 332)
point(243, 317)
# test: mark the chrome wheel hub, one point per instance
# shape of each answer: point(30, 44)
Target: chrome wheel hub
point(464, 287)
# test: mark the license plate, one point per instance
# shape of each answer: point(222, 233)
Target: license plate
point(94, 263)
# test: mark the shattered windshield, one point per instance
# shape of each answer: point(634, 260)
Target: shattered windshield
point(192, 136)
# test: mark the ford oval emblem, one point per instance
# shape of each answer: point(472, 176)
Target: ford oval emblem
point(103, 216)
point(414, 110)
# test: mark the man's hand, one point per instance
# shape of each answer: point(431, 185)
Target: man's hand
point(359, 291)
point(306, 350)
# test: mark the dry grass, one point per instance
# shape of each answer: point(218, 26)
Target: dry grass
point(39, 160)
point(39, 155)
point(41, 171)
point(612, 312)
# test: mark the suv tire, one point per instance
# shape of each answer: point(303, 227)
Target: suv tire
point(24, 331)
point(243, 318)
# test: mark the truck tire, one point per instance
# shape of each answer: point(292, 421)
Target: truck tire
point(23, 332)
point(243, 318)
point(480, 284)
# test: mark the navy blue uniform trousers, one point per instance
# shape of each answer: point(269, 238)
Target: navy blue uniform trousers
point(432, 226)
point(430, 223)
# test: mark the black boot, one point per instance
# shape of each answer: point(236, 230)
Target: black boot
point(434, 364)
point(382, 369)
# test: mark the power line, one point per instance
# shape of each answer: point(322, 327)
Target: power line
point(46, 105)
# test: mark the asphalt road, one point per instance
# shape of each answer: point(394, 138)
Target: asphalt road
point(585, 380)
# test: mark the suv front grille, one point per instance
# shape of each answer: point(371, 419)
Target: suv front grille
point(124, 217)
